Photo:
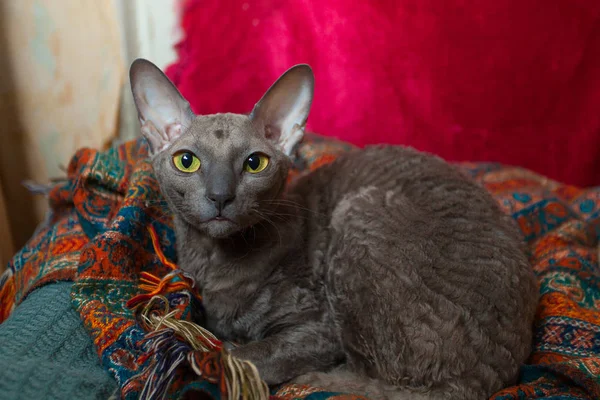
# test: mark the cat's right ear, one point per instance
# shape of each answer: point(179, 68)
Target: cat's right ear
point(283, 110)
point(163, 112)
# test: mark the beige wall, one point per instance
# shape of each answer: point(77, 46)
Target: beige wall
point(149, 29)
point(63, 85)
point(61, 73)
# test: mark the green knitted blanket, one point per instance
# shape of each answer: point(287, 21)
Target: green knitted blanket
point(45, 352)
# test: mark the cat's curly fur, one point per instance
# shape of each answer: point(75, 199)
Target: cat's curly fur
point(386, 272)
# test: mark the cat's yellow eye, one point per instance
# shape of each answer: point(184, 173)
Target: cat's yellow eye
point(256, 162)
point(186, 162)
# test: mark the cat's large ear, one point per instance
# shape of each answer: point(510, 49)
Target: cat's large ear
point(284, 108)
point(163, 113)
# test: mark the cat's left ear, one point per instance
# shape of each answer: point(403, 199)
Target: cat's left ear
point(283, 110)
point(163, 112)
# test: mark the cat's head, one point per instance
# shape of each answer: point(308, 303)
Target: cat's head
point(222, 172)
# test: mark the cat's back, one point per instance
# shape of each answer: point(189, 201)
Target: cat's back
point(427, 269)
point(414, 173)
point(434, 189)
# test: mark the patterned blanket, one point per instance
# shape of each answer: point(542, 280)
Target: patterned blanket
point(97, 235)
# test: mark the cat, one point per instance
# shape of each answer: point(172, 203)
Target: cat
point(386, 273)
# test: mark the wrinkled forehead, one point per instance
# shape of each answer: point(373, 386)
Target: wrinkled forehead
point(222, 133)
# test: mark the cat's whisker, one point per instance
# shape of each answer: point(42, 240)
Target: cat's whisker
point(264, 213)
point(268, 230)
point(265, 218)
point(292, 206)
point(282, 216)
point(287, 202)
point(245, 241)
point(156, 202)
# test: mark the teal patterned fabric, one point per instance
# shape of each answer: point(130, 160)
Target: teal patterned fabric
point(98, 237)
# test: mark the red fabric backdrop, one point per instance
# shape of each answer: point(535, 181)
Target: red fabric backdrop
point(514, 81)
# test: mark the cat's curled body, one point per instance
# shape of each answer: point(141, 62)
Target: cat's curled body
point(386, 272)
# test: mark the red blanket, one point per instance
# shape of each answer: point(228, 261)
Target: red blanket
point(514, 81)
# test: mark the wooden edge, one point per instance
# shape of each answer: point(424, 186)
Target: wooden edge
point(6, 242)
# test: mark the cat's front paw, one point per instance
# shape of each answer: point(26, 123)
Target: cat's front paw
point(229, 346)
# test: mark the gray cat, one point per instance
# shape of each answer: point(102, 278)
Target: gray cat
point(386, 272)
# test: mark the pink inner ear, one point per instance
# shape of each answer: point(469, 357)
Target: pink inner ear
point(269, 134)
point(160, 139)
point(292, 139)
point(173, 131)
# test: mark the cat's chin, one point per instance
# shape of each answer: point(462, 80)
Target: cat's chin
point(220, 229)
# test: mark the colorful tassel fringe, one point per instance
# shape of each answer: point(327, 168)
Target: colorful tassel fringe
point(175, 341)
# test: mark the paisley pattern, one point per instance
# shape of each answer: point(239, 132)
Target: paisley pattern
point(97, 236)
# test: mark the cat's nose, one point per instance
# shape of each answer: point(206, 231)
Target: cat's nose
point(220, 200)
